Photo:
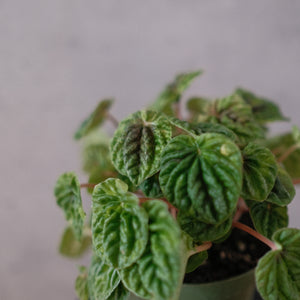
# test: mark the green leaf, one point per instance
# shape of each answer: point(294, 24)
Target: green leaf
point(95, 119)
point(119, 224)
point(137, 145)
point(260, 171)
point(71, 247)
point(203, 232)
point(120, 293)
point(151, 188)
point(157, 273)
point(278, 272)
point(195, 261)
point(283, 191)
point(263, 110)
point(172, 93)
point(68, 197)
point(268, 218)
point(81, 284)
point(202, 175)
point(197, 107)
point(103, 280)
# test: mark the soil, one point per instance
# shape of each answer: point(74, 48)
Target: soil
point(236, 255)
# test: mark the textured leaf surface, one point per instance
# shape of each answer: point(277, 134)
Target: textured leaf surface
point(95, 119)
point(72, 247)
point(81, 284)
point(120, 293)
point(172, 93)
point(197, 107)
point(259, 172)
point(102, 279)
point(202, 176)
point(283, 191)
point(195, 261)
point(157, 273)
point(137, 145)
point(278, 272)
point(119, 224)
point(268, 218)
point(151, 188)
point(68, 197)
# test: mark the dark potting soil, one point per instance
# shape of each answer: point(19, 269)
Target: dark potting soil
point(236, 255)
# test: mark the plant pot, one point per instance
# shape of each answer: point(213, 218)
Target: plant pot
point(241, 287)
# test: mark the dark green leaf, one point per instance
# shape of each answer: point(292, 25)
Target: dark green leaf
point(260, 171)
point(67, 193)
point(120, 293)
point(278, 272)
point(151, 188)
point(81, 284)
point(197, 108)
point(137, 145)
point(268, 218)
point(216, 128)
point(202, 175)
point(156, 274)
point(71, 247)
point(94, 120)
point(195, 261)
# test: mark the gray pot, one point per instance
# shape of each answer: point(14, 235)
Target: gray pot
point(240, 287)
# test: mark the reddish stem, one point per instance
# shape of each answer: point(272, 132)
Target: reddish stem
point(241, 209)
point(88, 185)
point(205, 246)
point(296, 181)
point(287, 153)
point(255, 234)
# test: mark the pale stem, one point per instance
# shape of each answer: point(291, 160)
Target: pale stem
point(177, 110)
point(88, 185)
point(287, 153)
point(241, 209)
point(205, 246)
point(112, 119)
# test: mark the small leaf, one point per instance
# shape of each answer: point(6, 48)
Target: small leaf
point(119, 224)
point(197, 107)
point(119, 293)
point(151, 188)
point(283, 191)
point(260, 171)
point(71, 247)
point(68, 197)
point(103, 280)
point(173, 93)
point(137, 145)
point(263, 110)
point(81, 284)
point(278, 272)
point(202, 175)
point(95, 119)
point(157, 273)
point(268, 218)
point(195, 261)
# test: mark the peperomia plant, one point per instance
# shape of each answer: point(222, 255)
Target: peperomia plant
point(165, 188)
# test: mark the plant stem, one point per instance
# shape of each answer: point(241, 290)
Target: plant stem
point(177, 110)
point(255, 234)
point(296, 181)
point(241, 209)
point(286, 154)
point(88, 185)
point(112, 119)
point(205, 246)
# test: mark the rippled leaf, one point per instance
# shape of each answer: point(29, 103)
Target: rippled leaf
point(157, 273)
point(195, 261)
point(81, 284)
point(202, 175)
point(68, 197)
point(137, 145)
point(95, 119)
point(119, 224)
point(278, 272)
point(120, 293)
point(260, 171)
point(151, 188)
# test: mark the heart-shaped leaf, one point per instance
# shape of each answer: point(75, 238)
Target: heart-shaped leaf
point(278, 272)
point(260, 171)
point(68, 197)
point(95, 119)
point(202, 175)
point(81, 284)
point(195, 261)
point(268, 217)
point(119, 224)
point(137, 145)
point(157, 273)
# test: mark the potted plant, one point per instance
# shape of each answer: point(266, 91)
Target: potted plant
point(174, 198)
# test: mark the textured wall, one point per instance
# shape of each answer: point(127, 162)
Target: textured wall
point(58, 57)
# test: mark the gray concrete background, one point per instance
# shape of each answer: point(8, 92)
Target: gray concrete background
point(58, 57)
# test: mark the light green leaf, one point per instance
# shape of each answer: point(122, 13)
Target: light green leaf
point(260, 171)
point(278, 272)
point(202, 176)
point(119, 293)
point(195, 261)
point(95, 119)
point(172, 93)
point(68, 197)
point(268, 218)
point(137, 145)
point(102, 279)
point(197, 107)
point(263, 110)
point(119, 224)
point(296, 135)
point(283, 191)
point(151, 188)
point(81, 284)
point(71, 247)
point(157, 273)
